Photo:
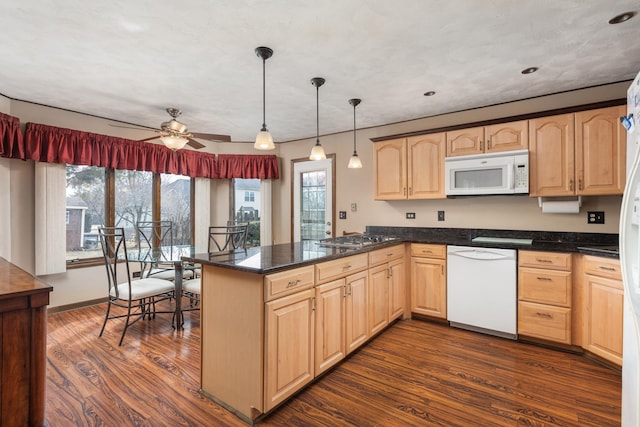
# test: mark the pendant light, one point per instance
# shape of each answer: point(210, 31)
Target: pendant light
point(354, 161)
point(264, 141)
point(317, 152)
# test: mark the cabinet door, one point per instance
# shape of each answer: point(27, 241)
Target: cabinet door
point(465, 141)
point(507, 136)
point(429, 287)
point(330, 317)
point(390, 169)
point(356, 324)
point(378, 298)
point(289, 332)
point(600, 151)
point(604, 317)
point(425, 175)
point(551, 156)
point(397, 282)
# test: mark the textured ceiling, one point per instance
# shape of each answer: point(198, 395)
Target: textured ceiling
point(129, 60)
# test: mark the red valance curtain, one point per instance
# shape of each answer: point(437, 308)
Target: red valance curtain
point(11, 141)
point(248, 166)
point(51, 144)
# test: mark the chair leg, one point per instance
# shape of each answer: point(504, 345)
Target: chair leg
point(106, 317)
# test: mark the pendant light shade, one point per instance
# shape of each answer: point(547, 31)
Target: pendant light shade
point(354, 161)
point(264, 141)
point(317, 152)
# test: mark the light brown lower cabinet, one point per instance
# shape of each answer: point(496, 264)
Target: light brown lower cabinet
point(356, 310)
point(545, 295)
point(289, 345)
point(386, 286)
point(604, 308)
point(429, 280)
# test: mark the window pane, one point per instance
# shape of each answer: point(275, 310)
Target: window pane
point(175, 206)
point(133, 201)
point(85, 211)
point(246, 209)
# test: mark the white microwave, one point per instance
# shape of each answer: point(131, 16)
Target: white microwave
point(495, 173)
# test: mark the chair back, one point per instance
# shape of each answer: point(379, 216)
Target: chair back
point(154, 234)
point(114, 249)
point(227, 238)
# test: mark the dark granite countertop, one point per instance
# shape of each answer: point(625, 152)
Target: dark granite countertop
point(269, 259)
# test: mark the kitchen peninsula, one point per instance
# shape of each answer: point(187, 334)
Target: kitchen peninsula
point(276, 317)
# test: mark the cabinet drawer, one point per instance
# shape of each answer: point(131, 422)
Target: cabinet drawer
point(550, 260)
point(603, 267)
point(387, 254)
point(340, 267)
point(429, 251)
point(544, 321)
point(277, 285)
point(544, 286)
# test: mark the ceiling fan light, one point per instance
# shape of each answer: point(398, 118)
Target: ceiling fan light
point(317, 152)
point(174, 142)
point(264, 141)
point(355, 162)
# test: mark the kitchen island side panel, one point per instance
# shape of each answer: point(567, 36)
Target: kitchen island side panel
point(232, 313)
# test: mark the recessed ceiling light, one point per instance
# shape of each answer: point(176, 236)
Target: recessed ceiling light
point(622, 17)
point(529, 70)
point(430, 93)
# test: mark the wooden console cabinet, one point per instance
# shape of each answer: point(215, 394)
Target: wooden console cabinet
point(23, 346)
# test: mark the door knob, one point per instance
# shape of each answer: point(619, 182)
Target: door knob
point(328, 233)
point(328, 222)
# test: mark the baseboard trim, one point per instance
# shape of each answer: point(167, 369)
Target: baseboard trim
point(61, 308)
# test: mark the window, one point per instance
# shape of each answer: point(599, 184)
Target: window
point(175, 206)
point(85, 211)
point(246, 207)
point(67, 217)
point(133, 201)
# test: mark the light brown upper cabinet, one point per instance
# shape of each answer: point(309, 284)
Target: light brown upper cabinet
point(410, 168)
point(577, 154)
point(488, 139)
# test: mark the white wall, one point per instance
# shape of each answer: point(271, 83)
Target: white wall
point(353, 186)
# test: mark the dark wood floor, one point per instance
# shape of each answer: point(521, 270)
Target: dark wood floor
point(415, 373)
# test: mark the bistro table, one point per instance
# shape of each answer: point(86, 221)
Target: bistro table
point(164, 255)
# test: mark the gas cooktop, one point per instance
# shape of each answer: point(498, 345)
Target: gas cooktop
point(354, 241)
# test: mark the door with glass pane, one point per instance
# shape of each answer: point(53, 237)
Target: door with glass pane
point(313, 200)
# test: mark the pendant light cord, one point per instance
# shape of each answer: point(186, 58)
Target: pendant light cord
point(264, 105)
point(354, 129)
point(317, 115)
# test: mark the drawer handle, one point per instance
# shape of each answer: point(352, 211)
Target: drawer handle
point(427, 251)
point(547, 261)
point(293, 283)
point(545, 279)
point(545, 315)
point(390, 254)
point(607, 268)
point(346, 267)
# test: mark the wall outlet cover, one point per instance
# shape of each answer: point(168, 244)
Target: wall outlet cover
point(342, 215)
point(595, 217)
point(440, 215)
point(411, 215)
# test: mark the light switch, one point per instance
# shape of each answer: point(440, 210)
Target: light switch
point(354, 207)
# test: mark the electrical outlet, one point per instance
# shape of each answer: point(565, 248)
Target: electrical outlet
point(595, 217)
point(136, 274)
point(342, 215)
point(411, 215)
point(440, 215)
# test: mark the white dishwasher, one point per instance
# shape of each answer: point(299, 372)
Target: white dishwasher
point(482, 290)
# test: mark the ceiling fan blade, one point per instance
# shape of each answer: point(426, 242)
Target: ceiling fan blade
point(134, 127)
point(212, 137)
point(195, 144)
point(150, 138)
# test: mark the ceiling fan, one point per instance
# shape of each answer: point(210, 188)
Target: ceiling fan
point(175, 134)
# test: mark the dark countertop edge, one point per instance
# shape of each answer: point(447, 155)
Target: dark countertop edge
point(544, 246)
point(205, 259)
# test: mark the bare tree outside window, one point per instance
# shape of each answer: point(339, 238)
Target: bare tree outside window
point(175, 206)
point(246, 207)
